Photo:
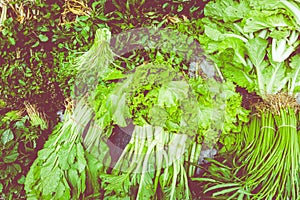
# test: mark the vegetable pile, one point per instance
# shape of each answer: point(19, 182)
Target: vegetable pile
point(140, 125)
point(256, 46)
point(173, 116)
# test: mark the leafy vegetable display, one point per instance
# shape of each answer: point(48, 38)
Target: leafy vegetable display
point(172, 115)
point(256, 45)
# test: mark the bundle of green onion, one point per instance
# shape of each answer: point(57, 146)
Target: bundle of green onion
point(270, 154)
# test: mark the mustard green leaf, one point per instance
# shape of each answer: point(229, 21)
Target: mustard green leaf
point(7, 136)
point(43, 38)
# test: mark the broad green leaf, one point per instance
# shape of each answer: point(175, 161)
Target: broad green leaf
point(7, 136)
point(71, 155)
point(60, 191)
point(74, 180)
point(265, 5)
point(257, 50)
point(279, 34)
point(62, 157)
point(262, 20)
point(213, 34)
point(119, 184)
point(80, 158)
point(21, 180)
point(173, 92)
point(43, 154)
point(12, 155)
point(228, 10)
point(236, 12)
point(276, 76)
point(51, 181)
point(294, 9)
point(20, 125)
point(113, 75)
point(43, 38)
point(295, 74)
point(48, 165)
point(94, 166)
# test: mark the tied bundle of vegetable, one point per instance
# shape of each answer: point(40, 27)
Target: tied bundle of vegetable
point(271, 148)
point(255, 43)
point(171, 116)
point(94, 64)
point(62, 169)
point(152, 99)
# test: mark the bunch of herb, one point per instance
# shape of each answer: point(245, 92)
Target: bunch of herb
point(162, 104)
point(93, 64)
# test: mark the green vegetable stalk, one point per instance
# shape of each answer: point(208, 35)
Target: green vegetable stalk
point(271, 154)
point(150, 152)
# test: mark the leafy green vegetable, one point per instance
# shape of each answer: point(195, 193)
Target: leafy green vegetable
point(18, 144)
point(7, 136)
point(169, 113)
point(261, 42)
point(63, 168)
point(94, 63)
